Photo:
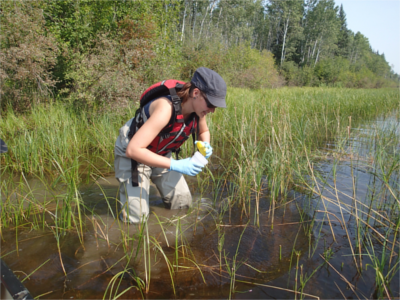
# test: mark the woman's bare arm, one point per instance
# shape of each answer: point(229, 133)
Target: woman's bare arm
point(160, 114)
point(204, 133)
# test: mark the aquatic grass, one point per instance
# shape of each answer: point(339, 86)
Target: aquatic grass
point(55, 131)
point(131, 255)
point(57, 234)
point(114, 284)
point(303, 278)
point(384, 271)
point(113, 290)
point(292, 253)
point(146, 255)
point(265, 143)
point(71, 203)
point(167, 261)
point(284, 122)
point(178, 228)
point(221, 241)
point(162, 228)
point(341, 213)
point(30, 274)
point(221, 231)
point(103, 233)
point(278, 288)
point(232, 268)
point(24, 206)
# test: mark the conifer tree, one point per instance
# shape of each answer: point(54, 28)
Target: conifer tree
point(343, 35)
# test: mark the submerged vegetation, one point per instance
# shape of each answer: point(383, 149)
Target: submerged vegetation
point(269, 145)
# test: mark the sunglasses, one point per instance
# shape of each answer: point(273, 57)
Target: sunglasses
point(209, 105)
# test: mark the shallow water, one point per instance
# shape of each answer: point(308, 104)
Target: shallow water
point(265, 256)
point(89, 270)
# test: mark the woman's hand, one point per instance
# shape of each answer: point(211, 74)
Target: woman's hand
point(207, 148)
point(185, 166)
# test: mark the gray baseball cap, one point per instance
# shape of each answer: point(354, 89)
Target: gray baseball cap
point(212, 84)
point(3, 146)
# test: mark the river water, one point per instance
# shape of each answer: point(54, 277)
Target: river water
point(268, 258)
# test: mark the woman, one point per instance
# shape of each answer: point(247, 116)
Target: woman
point(205, 92)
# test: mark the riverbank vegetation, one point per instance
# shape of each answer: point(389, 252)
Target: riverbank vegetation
point(104, 53)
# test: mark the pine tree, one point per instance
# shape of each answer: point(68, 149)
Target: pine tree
point(343, 35)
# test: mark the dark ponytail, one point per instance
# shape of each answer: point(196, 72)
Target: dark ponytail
point(186, 91)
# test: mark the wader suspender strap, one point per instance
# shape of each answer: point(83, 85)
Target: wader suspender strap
point(135, 173)
point(134, 169)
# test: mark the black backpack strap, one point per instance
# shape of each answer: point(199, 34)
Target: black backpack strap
point(177, 103)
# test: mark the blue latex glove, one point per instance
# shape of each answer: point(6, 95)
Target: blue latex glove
point(185, 166)
point(207, 147)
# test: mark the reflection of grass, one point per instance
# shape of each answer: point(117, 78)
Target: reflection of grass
point(265, 143)
point(232, 267)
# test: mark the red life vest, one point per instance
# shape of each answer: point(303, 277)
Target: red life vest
point(175, 133)
point(172, 137)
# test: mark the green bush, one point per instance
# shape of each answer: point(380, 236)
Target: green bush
point(28, 53)
point(240, 65)
point(113, 72)
point(248, 68)
point(329, 70)
point(298, 76)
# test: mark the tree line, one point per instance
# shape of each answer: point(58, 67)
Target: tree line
point(94, 53)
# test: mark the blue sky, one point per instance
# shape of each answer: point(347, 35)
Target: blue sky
point(379, 21)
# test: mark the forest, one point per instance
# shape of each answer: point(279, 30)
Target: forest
point(98, 53)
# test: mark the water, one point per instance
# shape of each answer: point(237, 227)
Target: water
point(266, 257)
point(90, 269)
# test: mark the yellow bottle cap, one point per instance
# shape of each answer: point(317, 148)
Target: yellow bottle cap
point(201, 148)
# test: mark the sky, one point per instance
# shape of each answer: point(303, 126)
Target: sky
point(379, 21)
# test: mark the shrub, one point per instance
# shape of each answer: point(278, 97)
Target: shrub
point(209, 54)
point(240, 65)
point(112, 72)
point(28, 53)
point(249, 68)
point(291, 72)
